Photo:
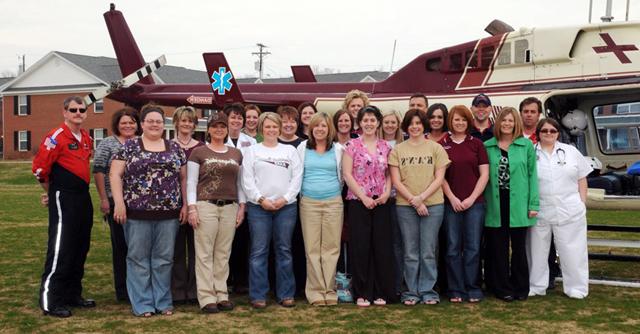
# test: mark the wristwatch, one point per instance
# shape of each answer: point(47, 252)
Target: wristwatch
point(261, 199)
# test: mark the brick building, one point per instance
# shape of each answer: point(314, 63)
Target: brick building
point(32, 102)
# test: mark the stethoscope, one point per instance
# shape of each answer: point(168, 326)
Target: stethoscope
point(562, 155)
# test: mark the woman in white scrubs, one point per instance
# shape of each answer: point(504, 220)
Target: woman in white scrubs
point(562, 183)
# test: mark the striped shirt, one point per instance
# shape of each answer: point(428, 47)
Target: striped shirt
point(102, 159)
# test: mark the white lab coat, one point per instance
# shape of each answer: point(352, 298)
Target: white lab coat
point(562, 215)
point(244, 141)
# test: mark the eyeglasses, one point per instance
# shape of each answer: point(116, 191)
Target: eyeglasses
point(151, 121)
point(550, 131)
point(75, 110)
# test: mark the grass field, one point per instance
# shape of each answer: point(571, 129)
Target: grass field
point(23, 237)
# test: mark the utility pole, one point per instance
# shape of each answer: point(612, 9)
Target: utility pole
point(261, 54)
point(21, 64)
point(393, 55)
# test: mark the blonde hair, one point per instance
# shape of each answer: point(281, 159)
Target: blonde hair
point(315, 121)
point(268, 116)
point(517, 124)
point(399, 136)
point(355, 94)
point(185, 112)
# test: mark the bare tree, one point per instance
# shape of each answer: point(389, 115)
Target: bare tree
point(7, 74)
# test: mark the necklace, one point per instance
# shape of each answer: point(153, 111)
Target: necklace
point(183, 143)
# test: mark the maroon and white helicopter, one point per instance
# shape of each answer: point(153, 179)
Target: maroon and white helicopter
point(587, 76)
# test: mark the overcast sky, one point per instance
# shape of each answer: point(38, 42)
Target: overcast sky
point(344, 35)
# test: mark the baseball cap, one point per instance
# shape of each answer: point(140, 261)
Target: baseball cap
point(481, 98)
point(218, 117)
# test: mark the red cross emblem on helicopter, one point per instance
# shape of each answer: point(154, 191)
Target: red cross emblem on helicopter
point(617, 50)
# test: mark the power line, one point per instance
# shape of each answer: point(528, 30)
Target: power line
point(261, 54)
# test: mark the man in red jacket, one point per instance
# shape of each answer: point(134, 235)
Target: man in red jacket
point(61, 165)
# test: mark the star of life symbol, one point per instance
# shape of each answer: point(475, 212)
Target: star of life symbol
point(221, 80)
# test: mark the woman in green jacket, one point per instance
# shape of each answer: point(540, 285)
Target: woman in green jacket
point(512, 206)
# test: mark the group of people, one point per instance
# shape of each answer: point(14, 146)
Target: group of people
point(385, 191)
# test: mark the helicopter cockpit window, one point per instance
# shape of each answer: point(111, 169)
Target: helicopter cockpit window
point(455, 62)
point(470, 57)
point(618, 127)
point(520, 51)
point(504, 57)
point(433, 64)
point(487, 56)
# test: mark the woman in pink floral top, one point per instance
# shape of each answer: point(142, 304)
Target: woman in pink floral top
point(365, 171)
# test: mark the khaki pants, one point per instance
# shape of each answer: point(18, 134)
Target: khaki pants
point(321, 229)
point(213, 239)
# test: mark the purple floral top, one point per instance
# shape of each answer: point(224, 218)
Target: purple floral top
point(151, 182)
point(369, 171)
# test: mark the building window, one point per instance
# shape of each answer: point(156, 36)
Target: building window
point(98, 135)
point(23, 141)
point(23, 107)
point(98, 107)
point(206, 113)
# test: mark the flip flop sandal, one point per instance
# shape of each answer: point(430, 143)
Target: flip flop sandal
point(361, 302)
point(410, 302)
point(380, 302)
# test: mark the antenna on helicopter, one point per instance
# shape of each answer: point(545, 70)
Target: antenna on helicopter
point(607, 14)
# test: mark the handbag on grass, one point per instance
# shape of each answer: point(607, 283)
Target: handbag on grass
point(343, 284)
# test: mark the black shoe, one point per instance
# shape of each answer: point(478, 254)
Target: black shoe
point(552, 284)
point(210, 308)
point(58, 311)
point(521, 298)
point(225, 305)
point(507, 298)
point(81, 302)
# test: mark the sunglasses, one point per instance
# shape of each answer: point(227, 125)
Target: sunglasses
point(75, 110)
point(551, 131)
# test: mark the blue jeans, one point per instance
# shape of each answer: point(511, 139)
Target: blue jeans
point(149, 261)
point(264, 226)
point(464, 233)
point(420, 239)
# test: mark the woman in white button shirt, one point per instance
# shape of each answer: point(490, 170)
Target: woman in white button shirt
point(236, 115)
point(562, 172)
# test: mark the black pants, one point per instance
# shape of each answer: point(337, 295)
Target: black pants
point(299, 258)
point(118, 255)
point(371, 252)
point(554, 268)
point(70, 222)
point(239, 259)
point(344, 263)
point(183, 272)
point(504, 277)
